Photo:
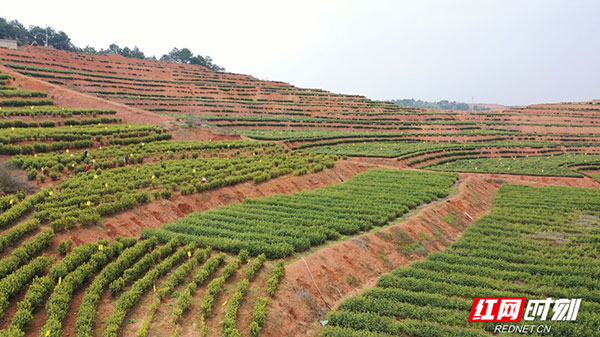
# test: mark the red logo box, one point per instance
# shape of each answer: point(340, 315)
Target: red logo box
point(497, 309)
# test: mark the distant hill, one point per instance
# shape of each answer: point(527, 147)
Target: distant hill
point(445, 105)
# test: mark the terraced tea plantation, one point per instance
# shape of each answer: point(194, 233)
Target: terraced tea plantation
point(254, 208)
point(133, 270)
point(281, 225)
point(317, 120)
point(538, 242)
point(173, 88)
point(93, 168)
point(558, 165)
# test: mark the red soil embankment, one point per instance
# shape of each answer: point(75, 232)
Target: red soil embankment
point(317, 283)
point(156, 213)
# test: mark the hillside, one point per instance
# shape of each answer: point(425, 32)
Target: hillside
point(147, 198)
point(315, 119)
point(178, 88)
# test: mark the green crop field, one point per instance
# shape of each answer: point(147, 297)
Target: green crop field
point(85, 197)
point(99, 167)
point(281, 225)
point(559, 165)
point(538, 242)
point(144, 197)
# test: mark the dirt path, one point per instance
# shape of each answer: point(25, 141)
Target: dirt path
point(38, 322)
point(69, 323)
point(106, 305)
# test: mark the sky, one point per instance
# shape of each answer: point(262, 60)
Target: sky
point(511, 52)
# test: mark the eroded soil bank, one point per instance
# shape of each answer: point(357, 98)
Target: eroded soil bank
point(315, 284)
point(158, 212)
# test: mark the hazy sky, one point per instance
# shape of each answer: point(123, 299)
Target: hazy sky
point(508, 52)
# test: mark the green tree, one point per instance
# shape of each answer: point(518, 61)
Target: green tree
point(186, 56)
point(60, 40)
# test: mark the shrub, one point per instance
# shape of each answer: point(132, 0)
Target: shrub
point(317, 168)
point(166, 193)
point(276, 276)
point(61, 224)
point(89, 218)
point(65, 246)
point(259, 178)
point(31, 173)
point(58, 167)
point(243, 256)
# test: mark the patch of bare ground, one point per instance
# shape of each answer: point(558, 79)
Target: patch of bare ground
point(106, 306)
point(39, 319)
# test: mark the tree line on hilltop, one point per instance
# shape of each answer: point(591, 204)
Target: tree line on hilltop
point(39, 36)
point(443, 104)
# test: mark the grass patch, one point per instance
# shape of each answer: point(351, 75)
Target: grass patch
point(450, 219)
point(424, 237)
